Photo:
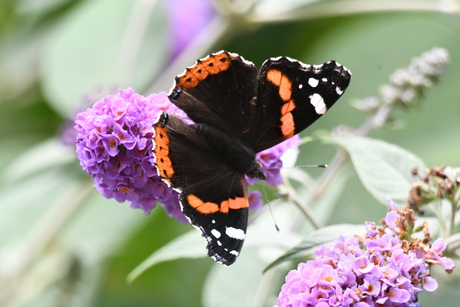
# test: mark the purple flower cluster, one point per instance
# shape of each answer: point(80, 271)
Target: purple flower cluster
point(270, 160)
point(383, 270)
point(114, 145)
point(271, 164)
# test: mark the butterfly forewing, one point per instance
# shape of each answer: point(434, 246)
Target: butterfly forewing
point(293, 95)
point(218, 91)
point(213, 196)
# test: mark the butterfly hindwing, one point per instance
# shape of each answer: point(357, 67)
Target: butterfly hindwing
point(213, 196)
point(293, 95)
point(219, 209)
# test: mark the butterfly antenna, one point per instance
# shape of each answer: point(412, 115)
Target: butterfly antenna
point(270, 208)
point(265, 192)
point(299, 166)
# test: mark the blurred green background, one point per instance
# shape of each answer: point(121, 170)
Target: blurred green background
point(62, 244)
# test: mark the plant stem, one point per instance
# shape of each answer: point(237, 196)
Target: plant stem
point(325, 9)
point(41, 236)
point(132, 38)
point(373, 122)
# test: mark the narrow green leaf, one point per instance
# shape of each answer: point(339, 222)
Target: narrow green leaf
point(100, 226)
point(192, 245)
point(25, 202)
point(189, 245)
point(41, 157)
point(384, 169)
point(317, 238)
point(235, 285)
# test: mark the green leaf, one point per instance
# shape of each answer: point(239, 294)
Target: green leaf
point(236, 285)
point(189, 245)
point(324, 207)
point(285, 8)
point(41, 157)
point(261, 234)
point(244, 279)
point(104, 45)
point(100, 226)
point(317, 238)
point(309, 9)
point(383, 168)
point(26, 201)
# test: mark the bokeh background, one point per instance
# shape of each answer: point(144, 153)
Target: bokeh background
point(63, 244)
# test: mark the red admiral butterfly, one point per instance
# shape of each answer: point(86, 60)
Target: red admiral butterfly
point(237, 113)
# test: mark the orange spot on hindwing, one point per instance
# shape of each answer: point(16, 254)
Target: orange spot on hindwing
point(223, 207)
point(161, 152)
point(284, 85)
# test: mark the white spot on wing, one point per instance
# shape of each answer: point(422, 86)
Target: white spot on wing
point(313, 82)
point(338, 90)
point(235, 233)
point(234, 252)
point(324, 79)
point(300, 86)
point(318, 102)
point(216, 233)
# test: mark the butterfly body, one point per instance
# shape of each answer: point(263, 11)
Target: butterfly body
point(237, 112)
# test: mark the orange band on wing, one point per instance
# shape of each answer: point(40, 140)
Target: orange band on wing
point(210, 207)
point(198, 72)
point(285, 85)
point(288, 107)
point(217, 63)
point(234, 203)
point(161, 152)
point(285, 91)
point(211, 65)
point(288, 125)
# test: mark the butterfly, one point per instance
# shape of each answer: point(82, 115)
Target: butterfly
point(237, 112)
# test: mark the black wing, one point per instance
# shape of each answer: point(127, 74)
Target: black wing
point(219, 209)
point(218, 90)
point(292, 96)
point(213, 196)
